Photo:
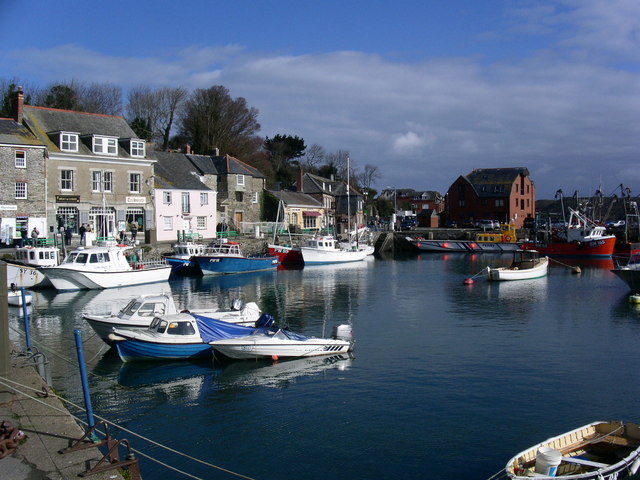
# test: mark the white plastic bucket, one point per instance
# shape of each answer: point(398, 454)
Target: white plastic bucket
point(547, 461)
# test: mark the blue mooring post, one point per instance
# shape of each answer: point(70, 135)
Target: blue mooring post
point(25, 314)
point(83, 375)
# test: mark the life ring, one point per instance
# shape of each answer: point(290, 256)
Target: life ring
point(507, 238)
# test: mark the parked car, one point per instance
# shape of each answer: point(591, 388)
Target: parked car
point(408, 223)
point(616, 224)
point(488, 224)
point(450, 224)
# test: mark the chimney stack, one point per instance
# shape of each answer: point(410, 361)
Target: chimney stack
point(187, 149)
point(17, 105)
point(301, 181)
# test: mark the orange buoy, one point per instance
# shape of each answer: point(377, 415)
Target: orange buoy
point(469, 281)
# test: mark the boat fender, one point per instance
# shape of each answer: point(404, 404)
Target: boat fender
point(115, 338)
point(634, 466)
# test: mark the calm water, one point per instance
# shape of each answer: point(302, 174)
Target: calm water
point(447, 381)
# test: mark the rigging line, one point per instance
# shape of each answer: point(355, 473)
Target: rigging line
point(64, 400)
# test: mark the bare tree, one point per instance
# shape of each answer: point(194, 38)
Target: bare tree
point(339, 161)
point(155, 108)
point(313, 156)
point(369, 176)
point(101, 98)
point(211, 119)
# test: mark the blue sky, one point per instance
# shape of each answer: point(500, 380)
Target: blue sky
point(426, 90)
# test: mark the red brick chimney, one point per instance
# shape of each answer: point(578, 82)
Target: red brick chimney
point(17, 105)
point(187, 148)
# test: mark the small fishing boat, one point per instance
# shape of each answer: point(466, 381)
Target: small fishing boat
point(627, 269)
point(601, 450)
point(527, 264)
point(180, 260)
point(15, 298)
point(289, 255)
point(180, 336)
point(284, 344)
point(106, 266)
point(26, 270)
point(323, 249)
point(226, 257)
point(140, 312)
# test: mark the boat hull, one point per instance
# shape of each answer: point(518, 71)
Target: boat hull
point(183, 266)
point(510, 274)
point(289, 257)
point(602, 248)
point(135, 350)
point(222, 265)
point(15, 298)
point(630, 276)
point(249, 348)
point(463, 246)
point(69, 279)
point(314, 256)
point(27, 276)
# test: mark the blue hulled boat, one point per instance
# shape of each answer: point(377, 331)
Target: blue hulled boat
point(180, 336)
point(225, 258)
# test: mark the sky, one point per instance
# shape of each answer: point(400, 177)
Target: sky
point(425, 90)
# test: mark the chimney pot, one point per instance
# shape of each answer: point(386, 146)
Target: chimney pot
point(17, 105)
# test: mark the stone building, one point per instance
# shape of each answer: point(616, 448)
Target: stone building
point(22, 183)
point(98, 172)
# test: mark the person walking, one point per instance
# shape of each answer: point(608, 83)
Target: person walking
point(34, 236)
point(134, 231)
point(67, 235)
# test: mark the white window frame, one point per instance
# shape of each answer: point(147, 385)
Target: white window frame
point(21, 190)
point(69, 142)
point(167, 223)
point(96, 181)
point(201, 223)
point(21, 159)
point(166, 198)
point(137, 148)
point(204, 198)
point(70, 181)
point(240, 179)
point(105, 145)
point(254, 197)
point(134, 182)
point(186, 202)
point(107, 181)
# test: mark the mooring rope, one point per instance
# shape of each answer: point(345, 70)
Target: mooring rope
point(572, 267)
point(172, 450)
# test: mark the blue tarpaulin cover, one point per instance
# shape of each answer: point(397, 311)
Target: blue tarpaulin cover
point(212, 329)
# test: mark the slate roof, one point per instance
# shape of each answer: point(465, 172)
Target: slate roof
point(223, 165)
point(314, 183)
point(12, 132)
point(494, 177)
point(175, 171)
point(296, 199)
point(44, 121)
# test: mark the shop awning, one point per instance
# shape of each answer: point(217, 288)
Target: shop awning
point(311, 214)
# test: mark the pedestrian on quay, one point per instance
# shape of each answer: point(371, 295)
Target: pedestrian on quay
point(134, 231)
point(82, 231)
point(67, 235)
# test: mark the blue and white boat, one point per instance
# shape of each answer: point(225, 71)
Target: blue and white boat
point(225, 258)
point(180, 260)
point(181, 336)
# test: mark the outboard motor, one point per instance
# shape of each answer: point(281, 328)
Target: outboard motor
point(342, 332)
point(265, 321)
point(237, 304)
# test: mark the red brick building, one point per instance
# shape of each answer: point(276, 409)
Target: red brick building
point(503, 194)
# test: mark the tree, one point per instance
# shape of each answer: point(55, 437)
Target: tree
point(282, 149)
point(369, 176)
point(61, 96)
point(142, 128)
point(157, 109)
point(95, 98)
point(211, 119)
point(313, 156)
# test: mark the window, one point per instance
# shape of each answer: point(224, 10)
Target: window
point(500, 202)
point(239, 196)
point(21, 190)
point(168, 223)
point(254, 197)
point(166, 198)
point(96, 181)
point(201, 222)
point(186, 203)
point(461, 203)
point(134, 183)
point(204, 199)
point(240, 179)
point(137, 148)
point(21, 159)
point(69, 142)
point(66, 180)
point(105, 145)
point(107, 181)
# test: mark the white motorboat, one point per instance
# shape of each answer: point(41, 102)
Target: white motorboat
point(324, 249)
point(527, 264)
point(140, 312)
point(25, 270)
point(15, 298)
point(601, 450)
point(105, 267)
point(284, 344)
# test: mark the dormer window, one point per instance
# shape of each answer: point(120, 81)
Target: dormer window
point(69, 142)
point(137, 148)
point(105, 145)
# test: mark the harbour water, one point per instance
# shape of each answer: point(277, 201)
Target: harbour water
point(447, 381)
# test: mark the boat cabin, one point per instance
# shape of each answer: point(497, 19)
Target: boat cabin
point(322, 243)
point(148, 307)
point(39, 256)
point(228, 249)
